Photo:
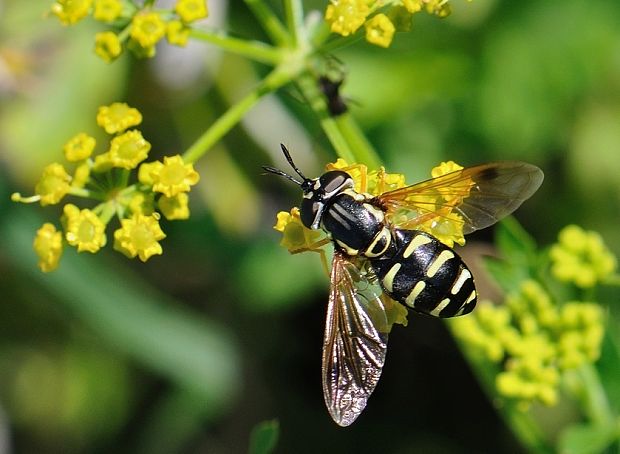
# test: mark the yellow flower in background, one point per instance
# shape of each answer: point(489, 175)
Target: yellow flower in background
point(117, 117)
point(174, 208)
point(108, 46)
point(448, 229)
point(79, 147)
point(71, 11)
point(173, 176)
point(145, 172)
point(142, 203)
point(295, 235)
point(139, 236)
point(177, 33)
point(84, 229)
point(107, 10)
point(191, 10)
point(48, 247)
point(81, 175)
point(346, 16)
point(581, 257)
point(147, 28)
point(128, 150)
point(53, 185)
point(380, 30)
point(440, 8)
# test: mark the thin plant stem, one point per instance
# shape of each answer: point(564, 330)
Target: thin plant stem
point(278, 77)
point(270, 22)
point(254, 50)
point(294, 19)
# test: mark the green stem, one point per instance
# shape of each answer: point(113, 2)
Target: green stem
point(294, 19)
point(254, 50)
point(81, 192)
point(280, 76)
point(593, 397)
point(310, 91)
point(269, 21)
point(361, 147)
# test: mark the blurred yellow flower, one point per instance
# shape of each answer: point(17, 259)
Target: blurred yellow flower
point(147, 28)
point(581, 257)
point(380, 30)
point(191, 10)
point(79, 147)
point(107, 10)
point(81, 175)
point(48, 247)
point(177, 33)
point(107, 46)
point(71, 11)
point(346, 16)
point(117, 117)
point(53, 185)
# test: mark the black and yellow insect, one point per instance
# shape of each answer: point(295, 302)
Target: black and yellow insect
point(379, 251)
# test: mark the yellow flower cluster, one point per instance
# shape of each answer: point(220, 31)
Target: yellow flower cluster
point(447, 227)
point(161, 187)
point(581, 257)
point(534, 339)
point(345, 17)
point(139, 29)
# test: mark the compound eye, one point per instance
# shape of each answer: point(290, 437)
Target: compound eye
point(309, 211)
point(334, 181)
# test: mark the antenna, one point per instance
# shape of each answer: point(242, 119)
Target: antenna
point(282, 174)
point(287, 155)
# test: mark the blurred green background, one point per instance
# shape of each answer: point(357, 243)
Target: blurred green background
point(190, 351)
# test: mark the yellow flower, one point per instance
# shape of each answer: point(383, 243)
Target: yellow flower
point(128, 150)
point(145, 171)
point(107, 46)
point(103, 163)
point(139, 236)
point(173, 176)
point(79, 147)
point(147, 28)
point(346, 16)
point(440, 8)
point(81, 175)
point(455, 194)
point(448, 229)
point(191, 10)
point(48, 247)
point(581, 334)
point(529, 379)
point(142, 203)
point(84, 229)
point(53, 185)
point(581, 257)
point(380, 30)
point(177, 33)
point(117, 117)
point(295, 235)
point(107, 10)
point(71, 11)
point(174, 207)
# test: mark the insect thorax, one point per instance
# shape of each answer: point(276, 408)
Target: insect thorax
point(355, 224)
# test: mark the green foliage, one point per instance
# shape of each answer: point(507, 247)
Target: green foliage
point(264, 437)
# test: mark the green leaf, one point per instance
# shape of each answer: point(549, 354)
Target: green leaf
point(504, 273)
point(264, 437)
point(514, 243)
point(586, 439)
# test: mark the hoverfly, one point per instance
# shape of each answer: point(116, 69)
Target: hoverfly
point(378, 251)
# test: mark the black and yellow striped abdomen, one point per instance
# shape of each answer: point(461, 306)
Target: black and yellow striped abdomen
point(425, 275)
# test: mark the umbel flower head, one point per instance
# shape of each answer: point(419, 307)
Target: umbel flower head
point(137, 26)
point(381, 18)
point(106, 179)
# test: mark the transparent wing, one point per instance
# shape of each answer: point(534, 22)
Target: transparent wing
point(355, 343)
point(481, 195)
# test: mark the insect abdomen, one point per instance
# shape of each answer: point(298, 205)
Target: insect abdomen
point(424, 274)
